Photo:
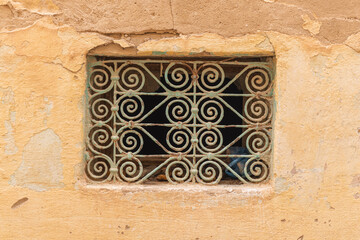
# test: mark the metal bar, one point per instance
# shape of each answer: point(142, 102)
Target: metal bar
point(196, 120)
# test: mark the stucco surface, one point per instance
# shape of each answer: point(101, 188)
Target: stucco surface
point(314, 191)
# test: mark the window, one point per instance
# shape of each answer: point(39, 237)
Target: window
point(190, 119)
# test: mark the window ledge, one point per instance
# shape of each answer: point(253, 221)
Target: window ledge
point(245, 191)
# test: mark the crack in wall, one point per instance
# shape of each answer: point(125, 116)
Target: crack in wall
point(32, 16)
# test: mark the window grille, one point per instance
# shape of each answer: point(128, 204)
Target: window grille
point(201, 120)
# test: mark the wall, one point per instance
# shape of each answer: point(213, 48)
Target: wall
point(314, 192)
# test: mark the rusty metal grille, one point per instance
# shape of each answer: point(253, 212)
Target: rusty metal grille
point(179, 120)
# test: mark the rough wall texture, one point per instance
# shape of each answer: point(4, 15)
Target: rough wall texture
point(314, 192)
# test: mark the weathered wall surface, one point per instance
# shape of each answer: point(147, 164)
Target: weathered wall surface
point(314, 192)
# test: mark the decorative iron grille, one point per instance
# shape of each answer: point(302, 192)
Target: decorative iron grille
point(179, 120)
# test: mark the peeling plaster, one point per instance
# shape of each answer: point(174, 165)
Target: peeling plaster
point(10, 147)
point(123, 43)
point(47, 109)
point(315, 88)
point(7, 96)
point(7, 104)
point(311, 25)
point(353, 41)
point(41, 7)
point(48, 106)
point(209, 42)
point(41, 168)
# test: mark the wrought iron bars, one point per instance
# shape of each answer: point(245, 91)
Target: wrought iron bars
point(175, 116)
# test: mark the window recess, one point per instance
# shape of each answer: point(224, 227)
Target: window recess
point(178, 120)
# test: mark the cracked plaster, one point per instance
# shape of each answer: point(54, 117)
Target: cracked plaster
point(41, 167)
point(42, 76)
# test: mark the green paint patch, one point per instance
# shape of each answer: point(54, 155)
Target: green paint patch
point(157, 53)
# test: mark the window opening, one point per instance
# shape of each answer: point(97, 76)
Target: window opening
point(201, 120)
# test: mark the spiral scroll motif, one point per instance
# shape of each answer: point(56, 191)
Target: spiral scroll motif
point(97, 168)
point(210, 111)
point(178, 110)
point(131, 108)
point(130, 141)
point(132, 78)
point(258, 80)
point(210, 140)
point(100, 137)
point(178, 171)
point(258, 142)
point(177, 76)
point(209, 171)
point(256, 170)
point(179, 139)
point(100, 79)
point(212, 77)
point(101, 109)
point(130, 169)
point(258, 110)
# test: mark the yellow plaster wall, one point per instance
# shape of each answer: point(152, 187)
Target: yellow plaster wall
point(314, 191)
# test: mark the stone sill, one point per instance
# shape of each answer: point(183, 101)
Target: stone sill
point(255, 190)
